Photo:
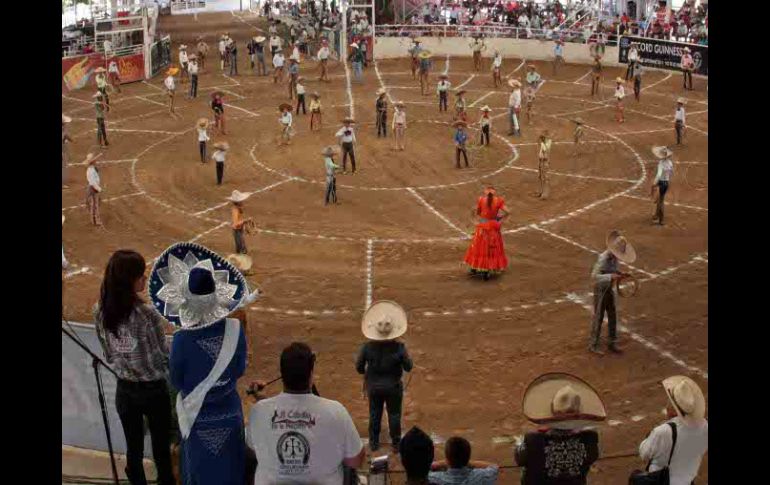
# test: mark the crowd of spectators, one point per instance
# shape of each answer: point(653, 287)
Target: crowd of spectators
point(297, 436)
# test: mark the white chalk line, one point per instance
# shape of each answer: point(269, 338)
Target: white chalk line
point(675, 204)
point(223, 204)
point(369, 272)
point(665, 78)
point(577, 81)
point(479, 99)
point(103, 162)
point(521, 64)
point(465, 82)
point(242, 109)
point(575, 175)
point(154, 87)
point(437, 213)
point(77, 272)
point(585, 248)
point(218, 226)
point(111, 199)
point(151, 101)
point(642, 340)
point(349, 87)
point(77, 99)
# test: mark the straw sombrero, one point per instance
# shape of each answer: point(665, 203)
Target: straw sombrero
point(514, 83)
point(384, 320)
point(459, 123)
point(400, 104)
point(222, 145)
point(681, 100)
point(485, 108)
point(620, 247)
point(284, 106)
point(65, 119)
point(172, 71)
point(686, 398)
point(182, 46)
point(329, 151)
point(424, 55)
point(194, 287)
point(91, 158)
point(203, 122)
point(460, 92)
point(661, 152)
point(348, 120)
point(530, 66)
point(238, 196)
point(564, 399)
point(619, 79)
point(242, 262)
point(100, 70)
point(381, 91)
point(259, 39)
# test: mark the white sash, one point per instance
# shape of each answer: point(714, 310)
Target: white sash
point(187, 409)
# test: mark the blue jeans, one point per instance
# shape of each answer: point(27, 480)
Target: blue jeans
point(357, 71)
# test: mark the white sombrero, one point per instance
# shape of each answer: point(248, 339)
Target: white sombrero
point(686, 398)
point(562, 400)
point(91, 157)
point(620, 247)
point(514, 83)
point(661, 152)
point(241, 261)
point(681, 100)
point(238, 196)
point(485, 108)
point(65, 119)
point(384, 320)
point(329, 151)
point(259, 39)
point(381, 91)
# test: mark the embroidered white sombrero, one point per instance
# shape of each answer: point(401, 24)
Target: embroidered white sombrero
point(563, 400)
point(384, 320)
point(238, 196)
point(193, 287)
point(620, 247)
point(686, 397)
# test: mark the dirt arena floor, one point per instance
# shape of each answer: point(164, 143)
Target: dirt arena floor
point(401, 229)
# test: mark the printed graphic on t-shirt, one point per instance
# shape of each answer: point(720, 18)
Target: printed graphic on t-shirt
point(124, 342)
point(293, 448)
point(565, 458)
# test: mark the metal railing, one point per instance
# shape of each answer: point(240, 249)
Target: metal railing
point(183, 5)
point(488, 30)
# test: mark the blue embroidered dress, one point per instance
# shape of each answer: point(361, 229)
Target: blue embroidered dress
point(214, 453)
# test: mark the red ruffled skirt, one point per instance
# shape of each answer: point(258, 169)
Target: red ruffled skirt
point(486, 252)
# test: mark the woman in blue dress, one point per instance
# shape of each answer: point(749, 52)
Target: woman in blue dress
point(197, 290)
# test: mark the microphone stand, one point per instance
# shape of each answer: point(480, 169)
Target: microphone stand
point(96, 361)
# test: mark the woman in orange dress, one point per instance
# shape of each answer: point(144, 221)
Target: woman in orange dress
point(486, 253)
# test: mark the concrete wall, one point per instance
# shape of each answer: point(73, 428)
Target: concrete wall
point(390, 47)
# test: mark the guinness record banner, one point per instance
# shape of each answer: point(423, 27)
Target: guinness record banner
point(665, 54)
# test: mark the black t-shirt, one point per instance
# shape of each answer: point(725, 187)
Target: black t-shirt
point(557, 457)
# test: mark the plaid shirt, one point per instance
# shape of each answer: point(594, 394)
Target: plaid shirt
point(139, 351)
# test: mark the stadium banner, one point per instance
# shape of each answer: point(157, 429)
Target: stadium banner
point(665, 54)
point(131, 68)
point(160, 55)
point(81, 416)
point(76, 72)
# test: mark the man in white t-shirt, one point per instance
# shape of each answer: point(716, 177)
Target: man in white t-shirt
point(299, 437)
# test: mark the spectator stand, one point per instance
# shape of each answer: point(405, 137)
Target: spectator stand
point(182, 7)
point(352, 32)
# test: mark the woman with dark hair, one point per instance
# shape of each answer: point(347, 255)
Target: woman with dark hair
point(134, 344)
point(486, 254)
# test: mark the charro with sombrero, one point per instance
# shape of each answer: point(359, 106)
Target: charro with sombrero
point(460, 139)
point(662, 180)
point(460, 105)
point(442, 89)
point(381, 109)
point(606, 275)
point(239, 222)
point(346, 137)
point(425, 64)
point(382, 361)
point(220, 152)
point(564, 407)
point(202, 127)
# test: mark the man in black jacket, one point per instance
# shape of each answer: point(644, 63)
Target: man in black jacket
point(382, 360)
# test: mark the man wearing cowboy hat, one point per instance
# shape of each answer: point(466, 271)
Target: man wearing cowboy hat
point(460, 138)
point(605, 275)
point(620, 93)
point(679, 120)
point(563, 449)
point(486, 124)
point(596, 76)
point(442, 89)
point(232, 48)
point(578, 133)
point(278, 61)
point(222, 52)
point(170, 87)
point(331, 169)
point(381, 108)
point(477, 46)
point(533, 78)
point(101, 129)
point(558, 55)
point(101, 83)
point(203, 50)
point(183, 60)
point(203, 137)
point(114, 75)
point(347, 139)
point(315, 112)
point(460, 105)
point(94, 189)
point(633, 58)
point(414, 52)
point(357, 59)
point(259, 50)
point(514, 107)
point(192, 67)
point(220, 151)
point(543, 156)
point(275, 44)
point(399, 124)
point(323, 58)
point(237, 198)
point(425, 64)
point(382, 361)
point(662, 179)
point(688, 66)
point(293, 75)
point(680, 443)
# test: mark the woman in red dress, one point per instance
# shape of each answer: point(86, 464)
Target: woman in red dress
point(486, 253)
